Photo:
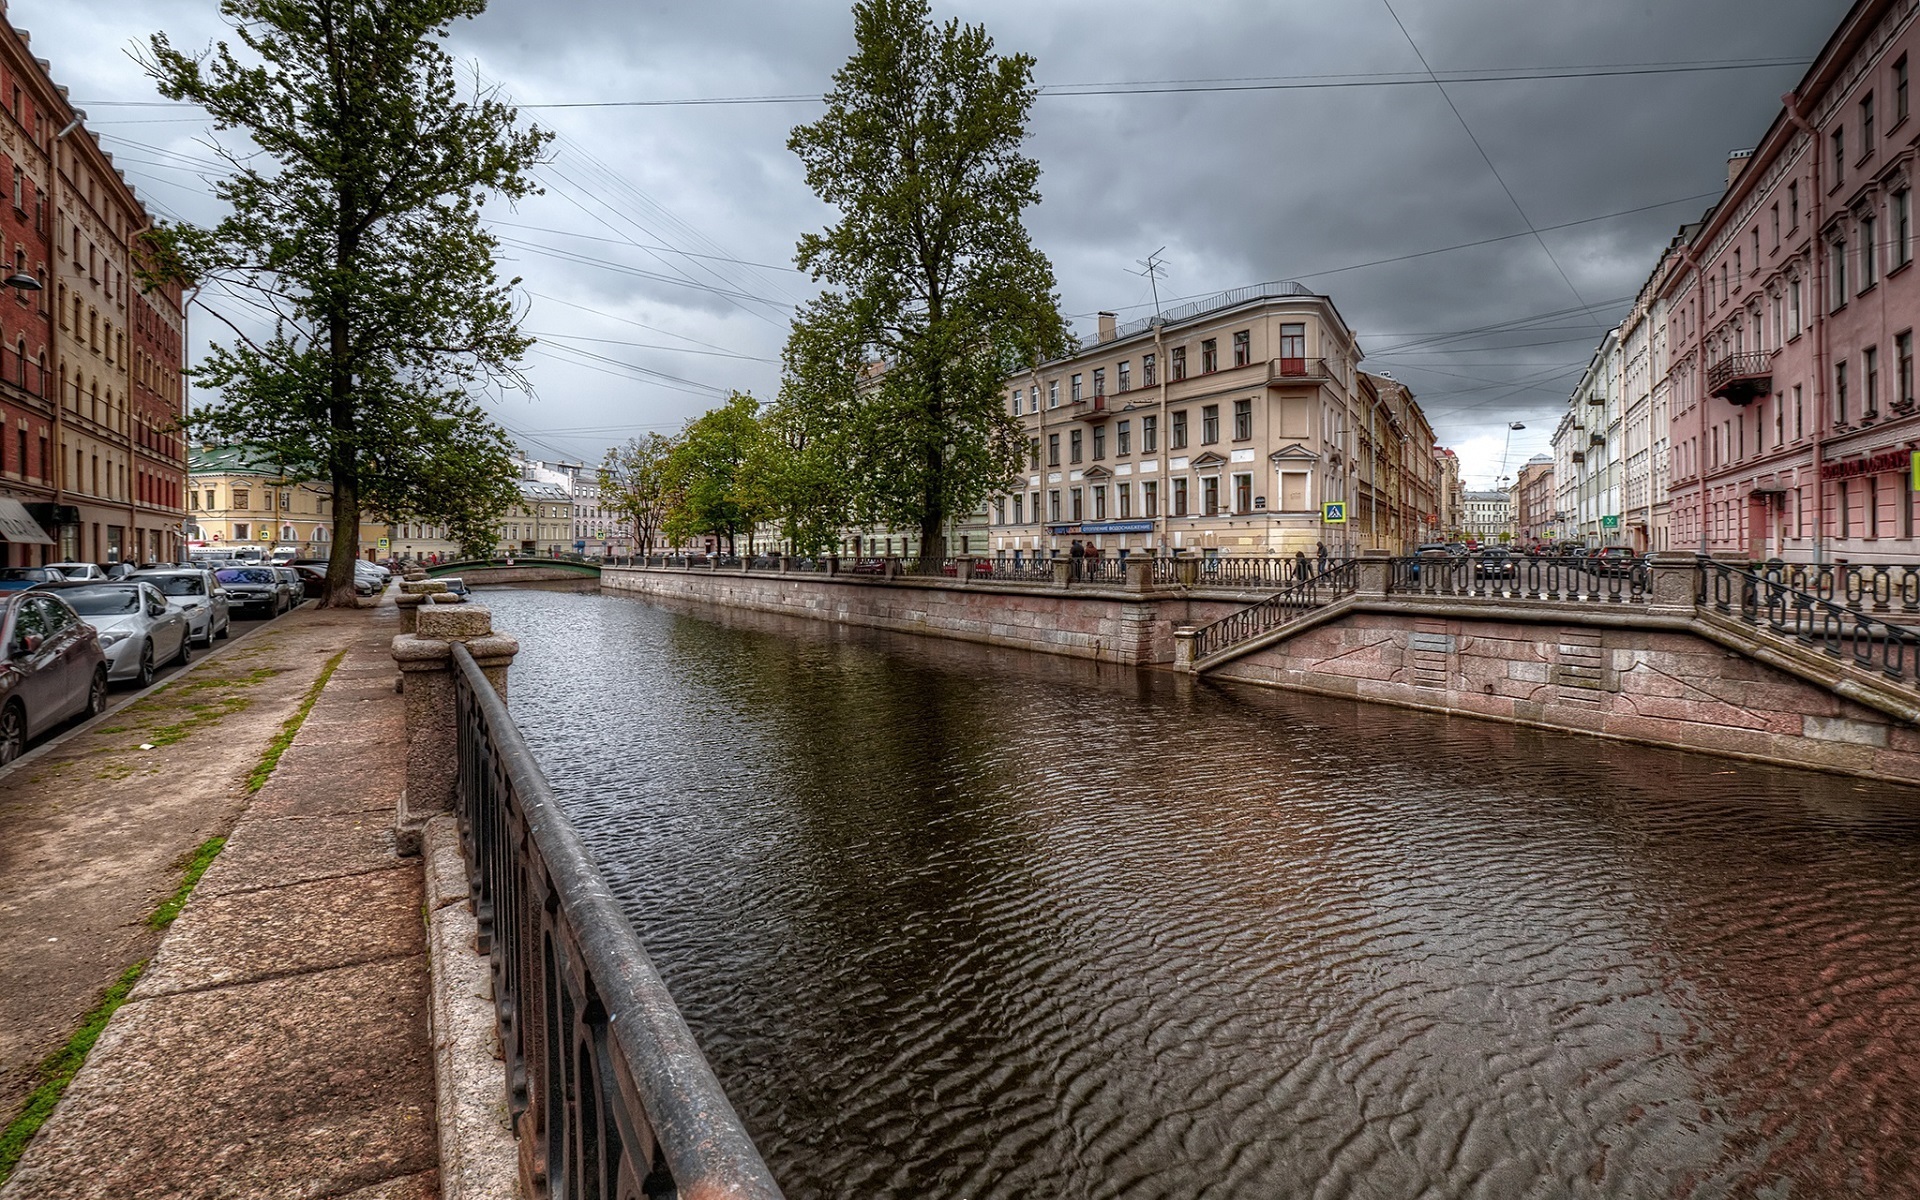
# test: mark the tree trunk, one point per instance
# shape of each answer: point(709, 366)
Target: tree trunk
point(341, 591)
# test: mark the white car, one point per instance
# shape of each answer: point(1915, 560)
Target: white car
point(138, 628)
point(79, 570)
point(194, 591)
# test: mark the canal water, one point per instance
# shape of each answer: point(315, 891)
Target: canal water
point(957, 922)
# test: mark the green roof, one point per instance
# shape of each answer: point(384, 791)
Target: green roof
point(232, 460)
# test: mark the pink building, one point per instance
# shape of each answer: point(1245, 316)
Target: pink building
point(1791, 320)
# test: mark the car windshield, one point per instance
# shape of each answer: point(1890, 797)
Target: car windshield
point(32, 574)
point(103, 601)
point(180, 585)
point(246, 575)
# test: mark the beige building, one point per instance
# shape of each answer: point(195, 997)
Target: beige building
point(237, 499)
point(541, 523)
point(1225, 427)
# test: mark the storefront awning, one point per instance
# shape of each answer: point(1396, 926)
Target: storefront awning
point(17, 526)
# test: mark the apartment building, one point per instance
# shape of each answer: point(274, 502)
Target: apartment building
point(1226, 426)
point(541, 522)
point(1532, 501)
point(238, 498)
point(30, 497)
point(1791, 320)
point(1489, 516)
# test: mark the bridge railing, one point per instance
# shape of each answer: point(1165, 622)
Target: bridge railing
point(1768, 601)
point(1575, 579)
point(1869, 587)
point(1296, 600)
point(608, 1092)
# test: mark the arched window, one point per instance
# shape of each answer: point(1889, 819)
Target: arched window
point(20, 358)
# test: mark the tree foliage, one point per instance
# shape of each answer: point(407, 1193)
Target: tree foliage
point(707, 473)
point(354, 237)
point(635, 484)
point(934, 288)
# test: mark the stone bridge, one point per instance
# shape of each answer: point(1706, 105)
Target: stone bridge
point(484, 571)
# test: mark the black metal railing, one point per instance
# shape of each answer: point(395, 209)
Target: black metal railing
point(1296, 600)
point(1030, 568)
point(1562, 578)
point(606, 1087)
point(1869, 587)
point(1843, 633)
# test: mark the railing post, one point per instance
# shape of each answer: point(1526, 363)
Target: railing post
point(1183, 646)
point(1186, 567)
point(1062, 572)
point(964, 571)
point(1140, 573)
point(1373, 574)
point(890, 568)
point(425, 657)
point(413, 594)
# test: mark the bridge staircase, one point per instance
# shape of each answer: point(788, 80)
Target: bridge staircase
point(1295, 608)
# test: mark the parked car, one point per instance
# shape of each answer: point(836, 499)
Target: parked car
point(1494, 562)
point(296, 586)
point(194, 591)
point(138, 628)
point(19, 579)
point(1615, 560)
point(79, 570)
point(51, 668)
point(256, 589)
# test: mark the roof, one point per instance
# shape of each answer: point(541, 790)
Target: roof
point(233, 460)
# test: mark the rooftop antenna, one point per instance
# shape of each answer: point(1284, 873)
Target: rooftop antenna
point(1151, 266)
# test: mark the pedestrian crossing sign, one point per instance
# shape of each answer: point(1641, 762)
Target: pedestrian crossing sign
point(1334, 512)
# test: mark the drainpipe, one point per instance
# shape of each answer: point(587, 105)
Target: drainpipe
point(1817, 293)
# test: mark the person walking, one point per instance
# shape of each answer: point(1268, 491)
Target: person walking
point(1077, 556)
point(1301, 571)
point(1320, 553)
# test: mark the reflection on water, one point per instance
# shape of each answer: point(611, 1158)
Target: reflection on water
point(957, 922)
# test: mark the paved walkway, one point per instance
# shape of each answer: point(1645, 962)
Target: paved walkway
point(277, 1046)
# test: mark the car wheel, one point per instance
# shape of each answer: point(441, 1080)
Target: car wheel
point(226, 627)
point(186, 649)
point(145, 677)
point(97, 692)
point(13, 732)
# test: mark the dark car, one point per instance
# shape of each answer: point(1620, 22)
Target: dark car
point(1615, 560)
point(312, 578)
point(51, 668)
point(296, 586)
point(1494, 562)
point(258, 589)
point(19, 579)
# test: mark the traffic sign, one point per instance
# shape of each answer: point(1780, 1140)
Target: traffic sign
point(1611, 521)
point(383, 543)
point(1334, 512)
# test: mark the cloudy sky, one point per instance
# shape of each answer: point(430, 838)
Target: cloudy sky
point(657, 264)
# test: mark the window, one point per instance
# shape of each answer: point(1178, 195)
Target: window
point(1799, 413)
point(1870, 369)
point(1209, 356)
point(240, 498)
point(1126, 375)
point(1873, 507)
point(1903, 354)
point(1902, 228)
point(1099, 381)
point(1033, 454)
point(1076, 387)
point(1839, 275)
point(1243, 493)
point(1209, 424)
point(1793, 204)
point(1149, 434)
point(1866, 124)
point(1150, 498)
point(1179, 363)
point(1179, 435)
point(1779, 420)
point(1033, 398)
point(1839, 156)
point(1180, 497)
point(1840, 391)
point(1242, 420)
point(1242, 348)
point(1099, 503)
point(1099, 442)
point(1147, 371)
point(1053, 449)
point(1846, 516)
point(1900, 89)
point(1123, 438)
point(1053, 393)
point(1073, 446)
point(1776, 226)
point(1210, 495)
point(1053, 505)
point(1869, 261)
point(1016, 402)
point(242, 531)
point(1793, 306)
point(1756, 250)
point(1078, 500)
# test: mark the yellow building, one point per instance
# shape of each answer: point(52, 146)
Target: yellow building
point(237, 499)
point(1227, 427)
point(541, 523)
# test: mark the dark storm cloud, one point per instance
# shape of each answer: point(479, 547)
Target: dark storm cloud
point(1240, 187)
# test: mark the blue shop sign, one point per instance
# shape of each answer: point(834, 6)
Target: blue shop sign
point(1117, 527)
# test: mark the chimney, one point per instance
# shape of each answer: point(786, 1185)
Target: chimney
point(1108, 328)
point(1736, 163)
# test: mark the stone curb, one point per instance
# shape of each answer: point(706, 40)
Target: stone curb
point(205, 657)
point(479, 1158)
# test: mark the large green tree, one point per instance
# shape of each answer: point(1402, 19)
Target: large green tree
point(935, 292)
point(354, 238)
point(706, 473)
point(635, 484)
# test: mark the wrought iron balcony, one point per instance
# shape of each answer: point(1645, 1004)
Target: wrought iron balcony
point(1092, 408)
point(1740, 379)
point(1302, 369)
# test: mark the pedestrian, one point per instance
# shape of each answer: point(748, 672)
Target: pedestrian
point(1300, 568)
point(1077, 558)
point(1320, 553)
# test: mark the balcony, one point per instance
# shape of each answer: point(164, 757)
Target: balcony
point(1300, 370)
point(1740, 379)
point(1092, 408)
point(1578, 456)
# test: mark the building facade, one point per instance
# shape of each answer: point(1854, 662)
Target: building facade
point(1489, 516)
point(1791, 320)
point(1533, 502)
point(1223, 427)
point(541, 522)
point(239, 499)
point(29, 480)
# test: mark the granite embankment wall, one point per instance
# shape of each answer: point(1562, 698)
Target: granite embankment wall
point(1666, 688)
point(1110, 625)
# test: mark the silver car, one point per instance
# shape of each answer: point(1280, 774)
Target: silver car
point(296, 587)
point(194, 591)
point(138, 628)
point(79, 570)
